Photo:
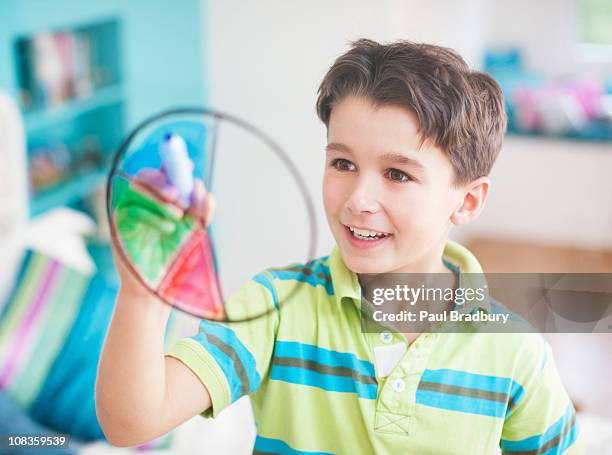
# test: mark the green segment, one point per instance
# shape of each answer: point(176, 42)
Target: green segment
point(151, 232)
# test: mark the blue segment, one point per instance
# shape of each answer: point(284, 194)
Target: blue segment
point(537, 441)
point(263, 279)
point(332, 383)
point(473, 381)
point(323, 356)
point(147, 155)
point(317, 266)
point(269, 445)
point(226, 363)
point(461, 403)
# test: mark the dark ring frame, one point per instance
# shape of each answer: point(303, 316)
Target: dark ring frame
point(217, 118)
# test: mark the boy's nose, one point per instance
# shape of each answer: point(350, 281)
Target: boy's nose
point(362, 200)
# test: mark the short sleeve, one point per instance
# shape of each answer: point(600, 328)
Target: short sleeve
point(542, 420)
point(231, 359)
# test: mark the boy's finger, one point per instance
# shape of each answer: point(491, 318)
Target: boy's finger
point(198, 195)
point(164, 193)
point(152, 176)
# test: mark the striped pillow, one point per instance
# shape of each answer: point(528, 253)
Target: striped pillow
point(52, 330)
point(33, 325)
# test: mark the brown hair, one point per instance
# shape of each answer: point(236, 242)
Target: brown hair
point(460, 110)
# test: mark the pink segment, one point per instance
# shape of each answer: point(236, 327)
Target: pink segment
point(191, 283)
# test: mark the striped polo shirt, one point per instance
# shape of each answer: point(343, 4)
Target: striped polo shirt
point(319, 385)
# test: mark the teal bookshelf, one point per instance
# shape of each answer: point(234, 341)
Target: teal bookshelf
point(43, 119)
point(129, 60)
point(68, 192)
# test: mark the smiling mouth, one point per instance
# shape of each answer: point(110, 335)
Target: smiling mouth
point(366, 234)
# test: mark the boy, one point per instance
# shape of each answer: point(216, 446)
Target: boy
point(412, 135)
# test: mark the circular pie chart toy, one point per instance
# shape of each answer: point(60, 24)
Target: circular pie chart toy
point(157, 200)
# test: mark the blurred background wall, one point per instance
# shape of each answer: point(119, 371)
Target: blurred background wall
point(543, 188)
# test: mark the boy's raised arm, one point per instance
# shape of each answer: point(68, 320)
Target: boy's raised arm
point(140, 393)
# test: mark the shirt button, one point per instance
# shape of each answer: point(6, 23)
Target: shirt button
point(386, 337)
point(399, 385)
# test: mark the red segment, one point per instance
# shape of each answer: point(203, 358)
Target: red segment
point(191, 283)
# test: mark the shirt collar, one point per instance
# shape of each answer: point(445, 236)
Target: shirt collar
point(346, 284)
point(345, 281)
point(471, 274)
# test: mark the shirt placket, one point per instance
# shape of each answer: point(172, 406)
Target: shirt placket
point(396, 401)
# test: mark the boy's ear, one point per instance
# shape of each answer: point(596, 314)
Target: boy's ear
point(474, 197)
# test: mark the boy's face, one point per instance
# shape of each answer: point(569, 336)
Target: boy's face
point(378, 183)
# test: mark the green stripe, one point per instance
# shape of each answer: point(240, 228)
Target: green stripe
point(323, 369)
point(57, 318)
point(28, 289)
point(28, 357)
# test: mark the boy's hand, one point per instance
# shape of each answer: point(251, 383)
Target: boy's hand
point(151, 225)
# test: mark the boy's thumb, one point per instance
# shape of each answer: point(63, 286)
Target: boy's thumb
point(211, 204)
point(203, 203)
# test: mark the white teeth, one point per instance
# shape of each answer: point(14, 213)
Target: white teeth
point(365, 234)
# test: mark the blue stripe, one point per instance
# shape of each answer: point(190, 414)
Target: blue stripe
point(225, 363)
point(479, 382)
point(230, 338)
point(323, 381)
point(280, 447)
point(263, 279)
point(317, 267)
point(545, 356)
point(472, 381)
point(323, 356)
point(566, 441)
point(517, 393)
point(537, 441)
point(476, 381)
point(461, 403)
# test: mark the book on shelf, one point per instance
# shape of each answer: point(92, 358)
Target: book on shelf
point(55, 68)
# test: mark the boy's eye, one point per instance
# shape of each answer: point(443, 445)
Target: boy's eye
point(397, 176)
point(343, 165)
